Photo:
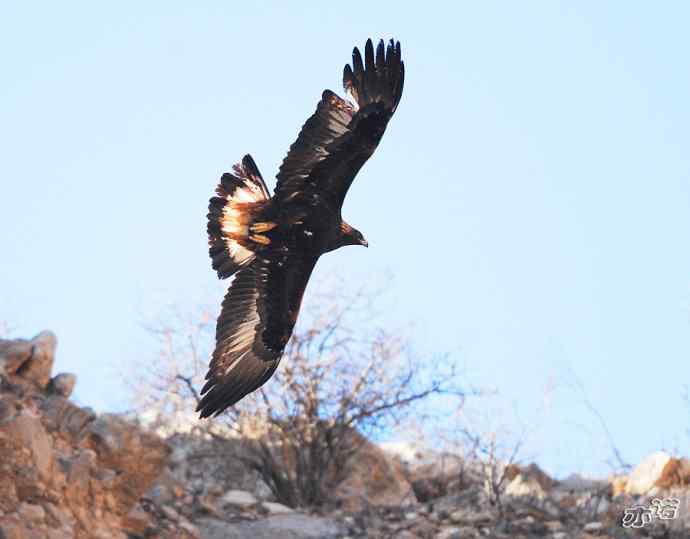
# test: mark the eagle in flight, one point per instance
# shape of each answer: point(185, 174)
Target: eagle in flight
point(273, 243)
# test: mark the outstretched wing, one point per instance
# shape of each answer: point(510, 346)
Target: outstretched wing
point(340, 136)
point(255, 323)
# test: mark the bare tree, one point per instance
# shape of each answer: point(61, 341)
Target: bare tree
point(615, 461)
point(343, 379)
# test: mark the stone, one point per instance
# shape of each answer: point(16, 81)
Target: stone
point(170, 513)
point(471, 497)
point(160, 494)
point(645, 475)
point(77, 469)
point(57, 516)
point(534, 472)
point(553, 525)
point(262, 491)
point(239, 498)
point(522, 485)
point(207, 504)
point(62, 384)
point(275, 508)
point(600, 505)
point(66, 418)
point(428, 488)
point(136, 520)
point(27, 430)
point(106, 476)
point(676, 473)
point(190, 528)
point(468, 532)
point(8, 409)
point(137, 456)
point(449, 533)
point(11, 530)
point(474, 518)
point(38, 367)
point(373, 475)
point(53, 533)
point(30, 512)
point(577, 483)
point(13, 354)
point(291, 526)
point(593, 527)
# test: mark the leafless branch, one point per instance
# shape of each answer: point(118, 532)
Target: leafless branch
point(343, 377)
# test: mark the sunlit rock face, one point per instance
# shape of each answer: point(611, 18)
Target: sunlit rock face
point(67, 472)
point(64, 472)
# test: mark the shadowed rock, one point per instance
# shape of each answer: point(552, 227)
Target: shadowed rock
point(32, 360)
point(62, 384)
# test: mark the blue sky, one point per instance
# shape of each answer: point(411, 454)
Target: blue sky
point(530, 199)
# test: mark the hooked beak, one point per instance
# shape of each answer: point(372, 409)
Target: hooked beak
point(364, 242)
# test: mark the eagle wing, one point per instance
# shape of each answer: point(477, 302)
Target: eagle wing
point(256, 320)
point(340, 136)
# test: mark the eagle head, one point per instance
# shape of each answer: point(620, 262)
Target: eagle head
point(351, 236)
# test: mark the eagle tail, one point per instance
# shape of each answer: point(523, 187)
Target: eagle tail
point(379, 79)
point(233, 238)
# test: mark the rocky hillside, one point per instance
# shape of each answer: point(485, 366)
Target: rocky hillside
point(67, 472)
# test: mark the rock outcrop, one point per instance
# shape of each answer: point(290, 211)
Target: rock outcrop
point(67, 472)
point(64, 471)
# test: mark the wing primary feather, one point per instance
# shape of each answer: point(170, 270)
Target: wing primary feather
point(337, 139)
point(370, 71)
point(380, 57)
point(358, 69)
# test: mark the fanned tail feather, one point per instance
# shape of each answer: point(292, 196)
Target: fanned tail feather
point(230, 213)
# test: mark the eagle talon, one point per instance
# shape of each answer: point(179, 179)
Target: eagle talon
point(263, 226)
point(258, 238)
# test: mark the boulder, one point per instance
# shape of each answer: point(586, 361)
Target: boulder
point(13, 354)
point(274, 508)
point(27, 434)
point(64, 472)
point(525, 486)
point(136, 456)
point(292, 526)
point(577, 483)
point(372, 475)
point(593, 527)
point(645, 475)
point(62, 384)
point(429, 488)
point(239, 498)
point(675, 473)
point(37, 367)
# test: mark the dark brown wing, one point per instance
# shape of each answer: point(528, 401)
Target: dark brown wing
point(255, 323)
point(340, 136)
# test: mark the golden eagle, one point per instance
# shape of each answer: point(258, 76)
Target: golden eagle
point(273, 243)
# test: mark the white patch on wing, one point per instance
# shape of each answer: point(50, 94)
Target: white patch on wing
point(238, 253)
point(249, 193)
point(351, 99)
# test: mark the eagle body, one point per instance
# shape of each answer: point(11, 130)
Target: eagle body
point(271, 243)
point(306, 224)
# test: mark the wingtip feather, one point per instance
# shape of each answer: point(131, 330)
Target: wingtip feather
point(377, 78)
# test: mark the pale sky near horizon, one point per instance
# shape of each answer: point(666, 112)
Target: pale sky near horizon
point(530, 198)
